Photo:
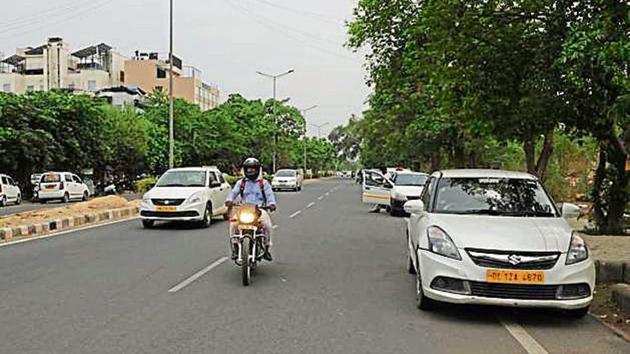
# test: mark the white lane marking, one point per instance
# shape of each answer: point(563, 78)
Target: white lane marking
point(60, 233)
point(520, 334)
point(320, 198)
point(310, 205)
point(275, 227)
point(197, 275)
point(295, 214)
point(327, 193)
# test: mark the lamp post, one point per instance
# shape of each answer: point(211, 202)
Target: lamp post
point(171, 134)
point(275, 138)
point(304, 143)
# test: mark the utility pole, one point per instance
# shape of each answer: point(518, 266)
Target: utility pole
point(275, 116)
point(171, 134)
point(304, 142)
point(319, 129)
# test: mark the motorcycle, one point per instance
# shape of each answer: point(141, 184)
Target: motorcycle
point(249, 238)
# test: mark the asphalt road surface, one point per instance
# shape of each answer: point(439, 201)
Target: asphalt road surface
point(29, 206)
point(338, 284)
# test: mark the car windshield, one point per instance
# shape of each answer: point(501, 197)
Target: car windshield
point(410, 180)
point(493, 196)
point(51, 177)
point(183, 179)
point(285, 173)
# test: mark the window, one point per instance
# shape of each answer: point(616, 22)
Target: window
point(221, 179)
point(6, 87)
point(30, 88)
point(426, 194)
point(4, 180)
point(77, 179)
point(91, 85)
point(122, 76)
point(51, 177)
point(11, 181)
point(182, 179)
point(212, 178)
point(68, 178)
point(161, 74)
point(374, 179)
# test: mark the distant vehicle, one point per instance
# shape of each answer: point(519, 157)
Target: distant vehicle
point(495, 237)
point(287, 179)
point(9, 191)
point(35, 177)
point(407, 186)
point(376, 188)
point(63, 186)
point(194, 194)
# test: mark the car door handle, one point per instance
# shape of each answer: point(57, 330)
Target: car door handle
point(367, 188)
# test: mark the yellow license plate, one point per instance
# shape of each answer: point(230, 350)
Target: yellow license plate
point(515, 276)
point(166, 208)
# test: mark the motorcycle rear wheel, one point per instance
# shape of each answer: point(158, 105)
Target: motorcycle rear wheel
point(246, 269)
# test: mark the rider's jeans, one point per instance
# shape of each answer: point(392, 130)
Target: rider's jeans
point(265, 220)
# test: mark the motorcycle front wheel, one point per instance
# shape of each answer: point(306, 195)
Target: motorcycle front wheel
point(246, 268)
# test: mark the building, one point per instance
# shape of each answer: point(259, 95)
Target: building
point(121, 96)
point(53, 66)
point(151, 73)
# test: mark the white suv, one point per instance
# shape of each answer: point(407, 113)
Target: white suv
point(63, 186)
point(186, 194)
point(9, 191)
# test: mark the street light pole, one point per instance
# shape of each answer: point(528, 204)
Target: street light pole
point(275, 138)
point(304, 142)
point(171, 134)
point(319, 128)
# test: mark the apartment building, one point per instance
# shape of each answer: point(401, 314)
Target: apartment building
point(54, 66)
point(151, 73)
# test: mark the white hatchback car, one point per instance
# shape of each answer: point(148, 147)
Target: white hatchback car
point(63, 186)
point(9, 191)
point(496, 238)
point(186, 194)
point(407, 186)
point(287, 179)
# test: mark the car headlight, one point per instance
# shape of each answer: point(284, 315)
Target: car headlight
point(246, 217)
point(578, 251)
point(194, 199)
point(399, 196)
point(440, 243)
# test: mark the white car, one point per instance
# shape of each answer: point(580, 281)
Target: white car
point(9, 191)
point(407, 186)
point(63, 186)
point(496, 238)
point(287, 179)
point(195, 194)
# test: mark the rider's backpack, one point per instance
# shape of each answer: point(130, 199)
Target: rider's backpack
point(261, 184)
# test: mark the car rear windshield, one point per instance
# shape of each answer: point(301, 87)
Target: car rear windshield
point(183, 179)
point(410, 180)
point(51, 178)
point(285, 173)
point(493, 196)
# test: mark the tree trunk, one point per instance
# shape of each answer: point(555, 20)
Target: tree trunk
point(472, 159)
point(545, 155)
point(617, 194)
point(530, 155)
point(598, 182)
point(459, 152)
point(436, 161)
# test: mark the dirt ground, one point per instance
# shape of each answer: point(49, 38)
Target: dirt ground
point(37, 216)
point(605, 309)
point(609, 248)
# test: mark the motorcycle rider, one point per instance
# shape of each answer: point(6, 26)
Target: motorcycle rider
point(253, 189)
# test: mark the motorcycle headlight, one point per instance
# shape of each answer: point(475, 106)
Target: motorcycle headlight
point(246, 217)
point(578, 251)
point(440, 243)
point(193, 199)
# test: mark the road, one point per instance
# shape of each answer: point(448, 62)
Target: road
point(28, 206)
point(338, 284)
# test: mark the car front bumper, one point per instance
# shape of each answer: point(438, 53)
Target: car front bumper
point(185, 212)
point(291, 185)
point(433, 265)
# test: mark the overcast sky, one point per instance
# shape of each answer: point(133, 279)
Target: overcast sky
point(229, 40)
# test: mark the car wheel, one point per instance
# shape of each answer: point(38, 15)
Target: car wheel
point(148, 224)
point(3, 201)
point(18, 201)
point(207, 217)
point(85, 196)
point(422, 302)
point(66, 198)
point(578, 313)
point(393, 211)
point(42, 201)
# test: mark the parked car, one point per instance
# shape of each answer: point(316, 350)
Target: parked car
point(376, 188)
point(287, 179)
point(9, 191)
point(496, 238)
point(194, 194)
point(407, 186)
point(63, 186)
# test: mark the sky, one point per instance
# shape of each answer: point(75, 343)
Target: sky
point(228, 40)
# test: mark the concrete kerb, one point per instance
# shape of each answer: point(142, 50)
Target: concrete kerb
point(70, 222)
point(612, 272)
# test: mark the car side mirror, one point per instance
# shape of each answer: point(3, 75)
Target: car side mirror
point(570, 211)
point(414, 207)
point(215, 184)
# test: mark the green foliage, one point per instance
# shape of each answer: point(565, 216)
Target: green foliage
point(143, 185)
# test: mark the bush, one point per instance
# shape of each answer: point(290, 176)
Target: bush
point(143, 185)
point(231, 179)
